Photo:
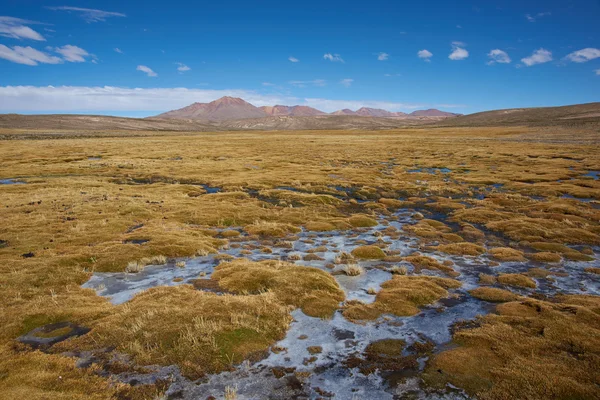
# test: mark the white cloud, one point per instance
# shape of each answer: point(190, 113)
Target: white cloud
point(533, 18)
point(346, 82)
point(293, 59)
point(268, 84)
point(72, 53)
point(383, 56)
point(27, 55)
point(458, 51)
point(333, 57)
point(16, 28)
point(459, 26)
point(539, 56)
point(118, 50)
point(597, 72)
point(388, 75)
point(314, 82)
point(425, 55)
point(498, 56)
point(88, 14)
point(583, 55)
point(68, 99)
point(182, 67)
point(146, 70)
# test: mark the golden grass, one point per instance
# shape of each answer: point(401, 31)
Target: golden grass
point(545, 256)
point(319, 226)
point(199, 331)
point(462, 249)
point(517, 280)
point(402, 296)
point(314, 291)
point(421, 262)
point(530, 350)
point(271, 229)
point(75, 215)
point(493, 294)
point(368, 252)
point(507, 254)
point(362, 221)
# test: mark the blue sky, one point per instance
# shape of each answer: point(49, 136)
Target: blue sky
point(137, 58)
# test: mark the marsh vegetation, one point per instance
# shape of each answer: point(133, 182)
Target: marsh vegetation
point(429, 262)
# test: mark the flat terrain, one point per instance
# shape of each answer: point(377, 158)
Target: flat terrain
point(422, 261)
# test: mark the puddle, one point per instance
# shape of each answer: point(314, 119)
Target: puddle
point(11, 182)
point(94, 158)
point(211, 189)
point(431, 171)
point(339, 339)
point(136, 241)
point(592, 174)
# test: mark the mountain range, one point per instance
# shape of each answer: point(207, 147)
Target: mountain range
point(233, 108)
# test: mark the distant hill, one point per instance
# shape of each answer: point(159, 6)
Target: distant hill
point(225, 108)
point(295, 111)
point(432, 112)
point(345, 111)
point(233, 108)
point(376, 112)
point(578, 114)
point(581, 115)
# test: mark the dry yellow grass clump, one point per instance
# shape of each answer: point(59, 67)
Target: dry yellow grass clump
point(462, 249)
point(314, 291)
point(271, 229)
point(362, 221)
point(545, 256)
point(517, 280)
point(368, 252)
point(402, 296)
point(199, 331)
point(493, 294)
point(319, 226)
point(530, 350)
point(561, 249)
point(421, 262)
point(507, 254)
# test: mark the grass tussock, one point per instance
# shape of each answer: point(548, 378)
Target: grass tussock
point(518, 280)
point(271, 229)
point(368, 252)
point(353, 270)
point(421, 262)
point(505, 356)
point(462, 249)
point(319, 226)
point(138, 266)
point(545, 257)
point(507, 254)
point(314, 291)
point(198, 331)
point(493, 295)
point(402, 296)
point(361, 221)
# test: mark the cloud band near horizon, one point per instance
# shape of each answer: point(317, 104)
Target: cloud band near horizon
point(67, 99)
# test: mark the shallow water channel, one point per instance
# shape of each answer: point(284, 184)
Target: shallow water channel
point(325, 372)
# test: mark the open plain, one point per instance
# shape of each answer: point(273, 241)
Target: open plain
point(419, 262)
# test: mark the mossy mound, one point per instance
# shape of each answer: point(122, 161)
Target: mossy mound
point(368, 252)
